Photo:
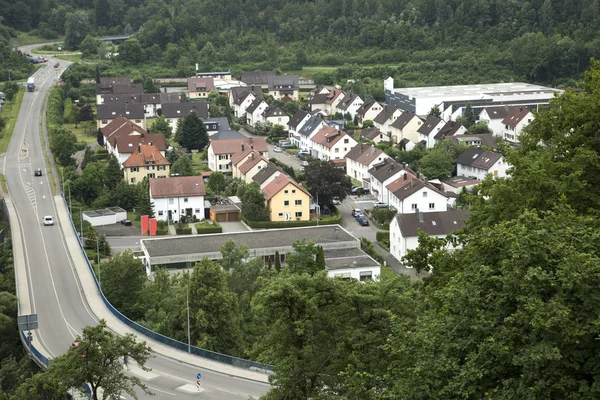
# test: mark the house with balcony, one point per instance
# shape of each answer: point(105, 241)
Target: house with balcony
point(199, 87)
point(173, 112)
point(381, 175)
point(429, 129)
point(349, 104)
point(126, 145)
point(220, 152)
point(331, 144)
point(145, 161)
point(105, 113)
point(476, 163)
point(176, 197)
point(368, 111)
point(284, 87)
point(416, 194)
point(360, 159)
point(404, 228)
point(287, 200)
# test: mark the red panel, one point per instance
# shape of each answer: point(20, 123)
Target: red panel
point(152, 226)
point(144, 224)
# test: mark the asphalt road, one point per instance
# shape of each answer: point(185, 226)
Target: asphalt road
point(54, 288)
point(283, 157)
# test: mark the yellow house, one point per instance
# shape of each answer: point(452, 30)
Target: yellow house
point(145, 161)
point(287, 200)
point(200, 88)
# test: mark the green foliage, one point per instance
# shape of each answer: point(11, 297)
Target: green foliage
point(253, 202)
point(327, 181)
point(439, 162)
point(183, 166)
point(306, 258)
point(161, 125)
point(191, 133)
point(77, 27)
point(367, 246)
point(124, 267)
point(329, 220)
point(205, 228)
point(383, 216)
point(113, 174)
point(383, 238)
point(10, 90)
point(143, 204)
point(184, 230)
point(216, 182)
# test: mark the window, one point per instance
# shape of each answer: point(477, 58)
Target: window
point(161, 167)
point(346, 140)
point(286, 203)
point(171, 201)
point(293, 190)
point(132, 180)
point(185, 199)
point(285, 191)
point(366, 276)
point(299, 214)
point(280, 215)
point(150, 176)
point(414, 206)
point(337, 150)
point(298, 202)
point(424, 194)
point(431, 206)
point(160, 213)
point(104, 121)
point(134, 169)
point(137, 121)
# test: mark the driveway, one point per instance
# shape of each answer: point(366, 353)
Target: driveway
point(233, 226)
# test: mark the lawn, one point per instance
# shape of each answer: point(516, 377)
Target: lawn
point(3, 182)
point(70, 57)
point(82, 136)
point(24, 38)
point(386, 273)
point(197, 164)
point(10, 111)
point(134, 218)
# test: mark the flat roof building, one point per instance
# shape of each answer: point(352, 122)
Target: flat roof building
point(451, 100)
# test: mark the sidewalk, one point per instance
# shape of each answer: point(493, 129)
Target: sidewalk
point(100, 310)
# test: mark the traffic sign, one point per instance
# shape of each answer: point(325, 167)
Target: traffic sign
point(27, 322)
point(198, 384)
point(198, 376)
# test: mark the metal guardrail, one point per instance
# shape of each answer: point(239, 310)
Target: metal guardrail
point(211, 355)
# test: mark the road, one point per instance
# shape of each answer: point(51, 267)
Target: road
point(283, 157)
point(54, 288)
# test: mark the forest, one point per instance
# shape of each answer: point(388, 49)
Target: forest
point(419, 42)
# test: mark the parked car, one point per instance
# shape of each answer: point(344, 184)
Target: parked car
point(48, 220)
point(126, 222)
point(277, 149)
point(56, 65)
point(304, 153)
point(363, 221)
point(336, 201)
point(356, 211)
point(358, 191)
point(37, 172)
point(304, 163)
point(359, 215)
point(380, 205)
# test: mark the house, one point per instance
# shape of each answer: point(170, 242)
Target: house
point(368, 111)
point(514, 123)
point(326, 103)
point(295, 123)
point(375, 135)
point(267, 174)
point(257, 78)
point(331, 144)
point(226, 135)
point(254, 112)
point(220, 152)
point(405, 144)
point(105, 113)
point(242, 96)
point(477, 140)
point(349, 104)
point(117, 88)
point(360, 159)
point(477, 163)
point(404, 228)
point(176, 197)
point(310, 128)
point(120, 80)
point(119, 126)
point(319, 89)
point(457, 183)
point(126, 98)
point(450, 128)
point(153, 102)
point(410, 194)
point(287, 200)
point(493, 117)
point(381, 175)
point(406, 127)
point(200, 88)
point(173, 112)
point(275, 115)
point(385, 118)
point(145, 161)
point(215, 124)
point(125, 145)
point(245, 164)
point(284, 87)
point(429, 129)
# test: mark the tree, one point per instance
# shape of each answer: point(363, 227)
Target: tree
point(130, 51)
point(143, 205)
point(62, 145)
point(277, 261)
point(88, 157)
point(124, 267)
point(97, 73)
point(102, 13)
point(233, 254)
point(304, 258)
point(113, 174)
point(192, 134)
point(161, 125)
point(77, 27)
point(367, 123)
point(326, 181)
point(253, 202)
point(469, 116)
point(89, 46)
point(435, 112)
point(85, 113)
point(438, 162)
point(10, 90)
point(320, 259)
point(100, 137)
point(216, 182)
point(479, 128)
point(96, 360)
point(183, 166)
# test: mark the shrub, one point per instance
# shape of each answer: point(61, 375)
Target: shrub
point(204, 228)
point(80, 146)
point(186, 230)
point(333, 220)
point(367, 247)
point(383, 238)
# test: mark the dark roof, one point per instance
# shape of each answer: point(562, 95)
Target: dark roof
point(404, 119)
point(239, 93)
point(365, 107)
point(310, 125)
point(497, 112)
point(449, 129)
point(385, 114)
point(222, 123)
point(128, 143)
point(385, 170)
point(126, 88)
point(480, 139)
point(430, 123)
point(284, 82)
point(227, 134)
point(297, 118)
point(319, 98)
point(256, 77)
point(254, 105)
point(348, 258)
point(363, 153)
point(169, 98)
point(127, 98)
point(177, 110)
point(434, 223)
point(347, 101)
point(477, 158)
point(121, 126)
point(115, 81)
point(274, 111)
point(112, 111)
point(460, 181)
point(371, 133)
point(265, 173)
point(516, 115)
point(412, 186)
point(200, 84)
point(160, 98)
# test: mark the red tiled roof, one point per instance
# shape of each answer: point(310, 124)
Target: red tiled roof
point(328, 136)
point(121, 126)
point(280, 182)
point(201, 84)
point(232, 146)
point(145, 155)
point(181, 186)
point(128, 143)
point(254, 159)
point(515, 116)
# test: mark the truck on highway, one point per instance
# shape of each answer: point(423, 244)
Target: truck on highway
point(30, 85)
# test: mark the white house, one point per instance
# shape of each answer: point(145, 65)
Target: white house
point(349, 104)
point(351, 264)
point(247, 163)
point(404, 228)
point(254, 112)
point(331, 144)
point(476, 163)
point(326, 103)
point(360, 159)
point(450, 128)
point(295, 124)
point(493, 117)
point(220, 152)
point(284, 87)
point(429, 129)
point(416, 194)
point(368, 111)
point(242, 96)
point(173, 112)
point(382, 174)
point(385, 118)
point(514, 123)
point(308, 130)
point(275, 115)
point(178, 196)
point(406, 127)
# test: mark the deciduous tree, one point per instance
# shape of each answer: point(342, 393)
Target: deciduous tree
point(326, 181)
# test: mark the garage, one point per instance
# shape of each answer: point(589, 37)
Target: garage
point(225, 213)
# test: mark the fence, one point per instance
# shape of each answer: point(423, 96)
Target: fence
point(211, 355)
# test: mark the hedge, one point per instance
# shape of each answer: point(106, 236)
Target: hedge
point(186, 230)
point(367, 247)
point(204, 229)
point(383, 238)
point(337, 220)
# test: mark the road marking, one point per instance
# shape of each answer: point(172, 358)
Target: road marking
point(162, 391)
point(227, 391)
point(190, 389)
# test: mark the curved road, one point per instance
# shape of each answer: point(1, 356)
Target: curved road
point(55, 290)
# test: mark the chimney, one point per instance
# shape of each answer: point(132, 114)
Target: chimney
point(139, 147)
point(420, 216)
point(142, 135)
point(405, 176)
point(242, 146)
point(150, 143)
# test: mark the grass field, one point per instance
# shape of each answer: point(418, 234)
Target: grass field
point(80, 133)
point(386, 272)
point(3, 183)
point(69, 57)
point(23, 39)
point(10, 111)
point(197, 165)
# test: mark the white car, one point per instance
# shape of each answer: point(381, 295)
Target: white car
point(304, 163)
point(277, 150)
point(48, 220)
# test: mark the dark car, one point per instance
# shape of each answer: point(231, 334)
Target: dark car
point(126, 222)
point(37, 172)
point(363, 221)
point(56, 65)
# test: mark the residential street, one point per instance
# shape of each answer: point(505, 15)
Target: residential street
point(283, 157)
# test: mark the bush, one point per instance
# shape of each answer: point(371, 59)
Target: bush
point(383, 238)
point(367, 247)
point(333, 220)
point(186, 230)
point(80, 146)
point(382, 216)
point(204, 228)
point(162, 228)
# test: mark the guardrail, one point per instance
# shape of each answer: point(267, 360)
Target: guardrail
point(211, 355)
